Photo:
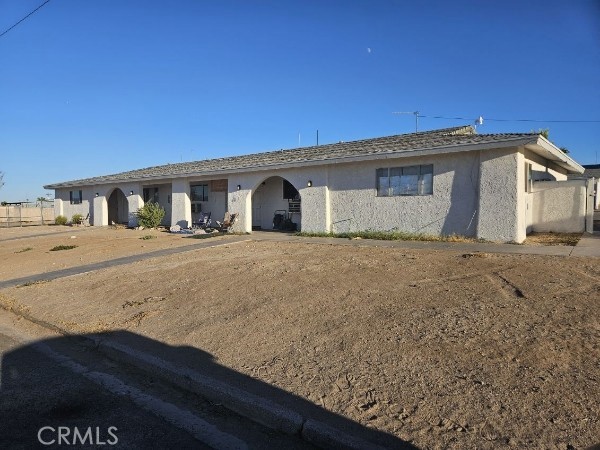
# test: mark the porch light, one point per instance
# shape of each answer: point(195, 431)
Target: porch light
point(309, 184)
point(97, 195)
point(130, 192)
point(239, 186)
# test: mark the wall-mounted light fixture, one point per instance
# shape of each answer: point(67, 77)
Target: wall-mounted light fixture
point(130, 192)
point(239, 186)
point(97, 195)
point(309, 184)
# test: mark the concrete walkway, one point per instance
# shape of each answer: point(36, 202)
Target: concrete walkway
point(589, 245)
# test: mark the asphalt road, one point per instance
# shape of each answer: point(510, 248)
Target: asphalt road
point(36, 392)
point(54, 390)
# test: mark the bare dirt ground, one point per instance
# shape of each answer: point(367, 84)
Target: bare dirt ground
point(444, 349)
point(22, 255)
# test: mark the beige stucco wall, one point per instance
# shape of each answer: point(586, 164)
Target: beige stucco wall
point(559, 206)
point(501, 196)
point(451, 209)
point(100, 202)
point(314, 199)
point(63, 206)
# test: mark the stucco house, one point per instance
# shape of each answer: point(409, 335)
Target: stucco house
point(446, 181)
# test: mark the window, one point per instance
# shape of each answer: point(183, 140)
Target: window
point(289, 191)
point(150, 195)
point(409, 180)
point(198, 193)
point(75, 197)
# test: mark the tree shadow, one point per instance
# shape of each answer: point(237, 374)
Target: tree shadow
point(29, 400)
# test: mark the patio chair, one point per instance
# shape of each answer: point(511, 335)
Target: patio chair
point(204, 221)
point(228, 222)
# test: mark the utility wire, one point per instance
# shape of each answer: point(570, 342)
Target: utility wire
point(513, 120)
point(24, 18)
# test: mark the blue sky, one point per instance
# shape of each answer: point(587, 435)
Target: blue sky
point(97, 87)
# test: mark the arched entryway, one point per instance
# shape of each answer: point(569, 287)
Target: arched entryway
point(276, 205)
point(118, 208)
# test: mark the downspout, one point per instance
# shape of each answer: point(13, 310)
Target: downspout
point(477, 213)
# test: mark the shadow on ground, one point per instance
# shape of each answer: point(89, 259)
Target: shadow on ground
point(32, 396)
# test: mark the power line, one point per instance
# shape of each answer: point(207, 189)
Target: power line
point(513, 120)
point(24, 18)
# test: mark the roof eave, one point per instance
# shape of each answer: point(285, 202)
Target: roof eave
point(551, 152)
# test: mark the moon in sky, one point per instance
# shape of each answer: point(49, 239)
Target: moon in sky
point(368, 49)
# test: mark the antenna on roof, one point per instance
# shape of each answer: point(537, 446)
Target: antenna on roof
point(416, 113)
point(478, 121)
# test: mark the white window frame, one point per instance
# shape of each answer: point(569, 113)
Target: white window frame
point(401, 181)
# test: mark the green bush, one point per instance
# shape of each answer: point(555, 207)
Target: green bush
point(76, 219)
point(150, 215)
point(60, 220)
point(62, 247)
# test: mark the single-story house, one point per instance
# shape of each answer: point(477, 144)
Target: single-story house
point(439, 182)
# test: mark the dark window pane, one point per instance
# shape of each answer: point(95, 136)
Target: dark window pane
point(199, 193)
point(409, 180)
point(395, 180)
point(383, 183)
point(427, 169)
point(289, 191)
point(426, 184)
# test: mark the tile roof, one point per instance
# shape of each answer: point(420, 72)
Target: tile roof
point(399, 144)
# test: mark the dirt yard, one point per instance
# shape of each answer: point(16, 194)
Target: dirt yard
point(444, 349)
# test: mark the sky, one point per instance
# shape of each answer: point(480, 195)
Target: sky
point(89, 88)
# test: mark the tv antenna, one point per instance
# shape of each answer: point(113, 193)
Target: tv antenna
point(478, 121)
point(416, 114)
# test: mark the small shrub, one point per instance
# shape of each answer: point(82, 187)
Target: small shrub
point(26, 249)
point(150, 215)
point(60, 220)
point(62, 247)
point(148, 237)
point(205, 236)
point(77, 219)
